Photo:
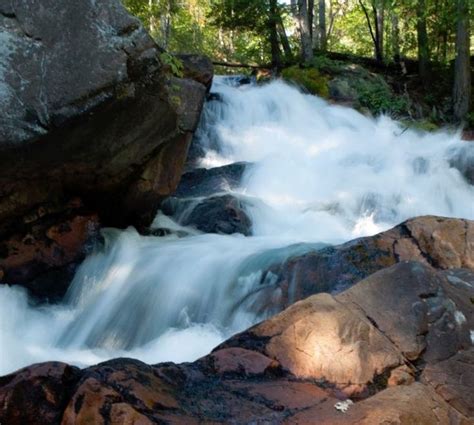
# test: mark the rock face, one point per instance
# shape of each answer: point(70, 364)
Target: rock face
point(43, 255)
point(42, 390)
point(442, 243)
point(87, 109)
point(299, 367)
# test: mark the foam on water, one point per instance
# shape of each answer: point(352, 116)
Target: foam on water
point(321, 173)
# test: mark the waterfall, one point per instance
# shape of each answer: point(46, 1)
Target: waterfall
point(321, 174)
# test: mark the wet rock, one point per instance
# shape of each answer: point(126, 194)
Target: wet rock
point(442, 243)
point(198, 68)
point(200, 200)
point(205, 182)
point(37, 394)
point(43, 253)
point(463, 160)
point(218, 214)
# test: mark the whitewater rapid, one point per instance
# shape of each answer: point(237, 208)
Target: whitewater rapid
point(321, 174)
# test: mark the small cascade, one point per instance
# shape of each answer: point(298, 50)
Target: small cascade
point(320, 174)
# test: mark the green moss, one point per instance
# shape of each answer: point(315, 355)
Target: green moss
point(309, 78)
point(375, 94)
point(175, 65)
point(324, 64)
point(425, 125)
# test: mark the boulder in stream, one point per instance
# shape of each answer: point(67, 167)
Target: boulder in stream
point(88, 109)
point(441, 243)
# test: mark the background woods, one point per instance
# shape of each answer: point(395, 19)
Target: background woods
point(420, 44)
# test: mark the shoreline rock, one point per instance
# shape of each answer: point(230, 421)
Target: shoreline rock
point(439, 242)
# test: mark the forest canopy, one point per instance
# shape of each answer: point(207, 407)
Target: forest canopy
point(433, 33)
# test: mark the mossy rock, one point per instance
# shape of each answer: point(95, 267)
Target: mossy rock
point(308, 78)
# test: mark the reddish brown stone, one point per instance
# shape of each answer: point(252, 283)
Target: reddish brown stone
point(241, 361)
point(37, 394)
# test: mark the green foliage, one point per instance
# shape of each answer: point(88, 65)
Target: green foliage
point(173, 63)
point(378, 98)
point(326, 65)
point(240, 14)
point(470, 119)
point(309, 78)
point(424, 125)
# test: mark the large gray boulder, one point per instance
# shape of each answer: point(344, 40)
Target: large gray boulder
point(87, 110)
point(86, 107)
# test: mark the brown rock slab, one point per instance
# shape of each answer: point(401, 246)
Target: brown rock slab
point(37, 394)
point(322, 339)
point(415, 404)
point(410, 304)
point(43, 253)
point(441, 243)
point(238, 360)
point(453, 380)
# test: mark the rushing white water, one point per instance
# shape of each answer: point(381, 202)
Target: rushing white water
point(321, 173)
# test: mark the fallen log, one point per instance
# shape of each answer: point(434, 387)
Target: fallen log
point(241, 65)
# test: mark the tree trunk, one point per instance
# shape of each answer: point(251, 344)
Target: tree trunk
point(395, 36)
point(152, 21)
point(272, 28)
point(322, 25)
point(380, 18)
point(378, 52)
point(303, 24)
point(284, 38)
point(422, 36)
point(311, 19)
point(462, 68)
point(379, 13)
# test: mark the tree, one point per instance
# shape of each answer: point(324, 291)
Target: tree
point(462, 68)
point(260, 18)
point(395, 35)
point(273, 31)
point(322, 25)
point(283, 37)
point(377, 28)
point(305, 31)
point(422, 37)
